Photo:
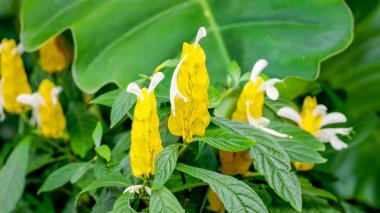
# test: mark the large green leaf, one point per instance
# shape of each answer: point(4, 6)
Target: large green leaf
point(122, 204)
point(270, 160)
point(12, 176)
point(60, 176)
point(134, 37)
point(235, 195)
point(164, 165)
point(163, 201)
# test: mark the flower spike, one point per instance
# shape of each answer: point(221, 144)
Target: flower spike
point(201, 33)
point(174, 91)
point(135, 89)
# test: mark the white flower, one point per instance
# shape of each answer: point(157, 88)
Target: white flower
point(135, 89)
point(136, 189)
point(262, 123)
point(174, 91)
point(268, 86)
point(324, 135)
point(34, 100)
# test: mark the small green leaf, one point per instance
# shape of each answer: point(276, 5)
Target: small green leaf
point(97, 134)
point(227, 106)
point(106, 99)
point(80, 172)
point(215, 97)
point(233, 74)
point(201, 148)
point(309, 189)
point(225, 140)
point(123, 204)
point(165, 165)
point(235, 195)
point(104, 151)
point(166, 64)
point(13, 174)
point(123, 103)
point(163, 201)
point(114, 179)
point(60, 176)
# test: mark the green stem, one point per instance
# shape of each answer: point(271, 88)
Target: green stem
point(184, 146)
point(188, 186)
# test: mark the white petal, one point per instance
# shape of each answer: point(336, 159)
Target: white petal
point(270, 90)
point(54, 93)
point(257, 68)
point(19, 49)
point(201, 33)
point(336, 143)
point(289, 113)
point(320, 109)
point(135, 89)
point(174, 91)
point(156, 79)
point(324, 135)
point(333, 118)
point(263, 121)
point(252, 121)
point(27, 99)
point(136, 189)
point(274, 132)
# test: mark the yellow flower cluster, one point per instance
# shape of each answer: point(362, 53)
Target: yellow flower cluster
point(52, 119)
point(14, 80)
point(145, 134)
point(189, 95)
point(54, 56)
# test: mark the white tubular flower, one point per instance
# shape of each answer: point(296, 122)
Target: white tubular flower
point(136, 189)
point(135, 89)
point(156, 79)
point(201, 33)
point(262, 123)
point(54, 93)
point(34, 100)
point(268, 85)
point(329, 135)
point(174, 91)
point(313, 117)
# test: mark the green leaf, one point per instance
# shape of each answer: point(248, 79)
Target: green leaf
point(166, 64)
point(122, 204)
point(97, 134)
point(164, 165)
point(309, 189)
point(114, 179)
point(233, 76)
point(80, 172)
point(227, 105)
point(80, 124)
point(272, 161)
point(163, 200)
point(13, 174)
point(225, 140)
point(242, 30)
point(60, 177)
point(215, 97)
point(302, 147)
point(121, 106)
point(104, 151)
point(235, 195)
point(106, 99)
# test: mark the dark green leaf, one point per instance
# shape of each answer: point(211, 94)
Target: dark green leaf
point(121, 106)
point(80, 124)
point(106, 99)
point(225, 140)
point(104, 151)
point(60, 176)
point(97, 134)
point(235, 195)
point(80, 172)
point(215, 97)
point(163, 201)
point(242, 30)
point(309, 189)
point(165, 165)
point(13, 174)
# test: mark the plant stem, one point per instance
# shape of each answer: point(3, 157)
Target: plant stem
point(184, 146)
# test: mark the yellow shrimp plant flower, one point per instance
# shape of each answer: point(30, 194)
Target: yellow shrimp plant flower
point(47, 110)
point(312, 118)
point(145, 134)
point(188, 92)
point(54, 56)
point(14, 80)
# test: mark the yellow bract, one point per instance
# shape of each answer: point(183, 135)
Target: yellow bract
point(310, 122)
point(14, 80)
point(146, 140)
point(52, 119)
point(192, 117)
point(54, 56)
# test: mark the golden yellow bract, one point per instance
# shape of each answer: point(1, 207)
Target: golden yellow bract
point(54, 56)
point(14, 80)
point(146, 140)
point(192, 117)
point(310, 122)
point(52, 119)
